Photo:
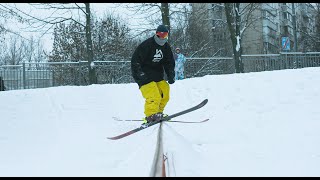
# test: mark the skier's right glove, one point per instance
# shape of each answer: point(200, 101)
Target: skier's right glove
point(171, 81)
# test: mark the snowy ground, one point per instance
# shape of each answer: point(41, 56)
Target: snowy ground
point(261, 124)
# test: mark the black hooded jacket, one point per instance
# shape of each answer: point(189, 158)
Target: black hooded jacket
point(150, 60)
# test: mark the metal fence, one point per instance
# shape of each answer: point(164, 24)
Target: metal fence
point(270, 62)
point(35, 75)
point(40, 75)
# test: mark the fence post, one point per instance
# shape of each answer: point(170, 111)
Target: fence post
point(281, 58)
point(51, 69)
point(24, 75)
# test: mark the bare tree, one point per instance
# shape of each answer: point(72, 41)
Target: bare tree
point(317, 22)
point(176, 16)
point(30, 52)
point(8, 14)
point(309, 28)
point(64, 12)
point(179, 27)
point(16, 52)
point(239, 18)
point(151, 13)
point(92, 73)
point(165, 15)
point(154, 14)
point(19, 48)
point(201, 41)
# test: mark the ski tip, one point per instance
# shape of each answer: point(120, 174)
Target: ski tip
point(205, 120)
point(204, 102)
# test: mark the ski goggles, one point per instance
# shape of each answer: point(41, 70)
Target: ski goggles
point(162, 35)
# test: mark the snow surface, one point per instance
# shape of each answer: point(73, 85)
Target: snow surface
point(261, 124)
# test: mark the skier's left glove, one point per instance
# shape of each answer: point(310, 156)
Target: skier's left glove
point(171, 81)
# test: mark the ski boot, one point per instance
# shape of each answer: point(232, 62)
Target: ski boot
point(151, 118)
point(165, 115)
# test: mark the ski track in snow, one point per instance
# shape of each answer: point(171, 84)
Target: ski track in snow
point(256, 119)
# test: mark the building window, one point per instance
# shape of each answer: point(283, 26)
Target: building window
point(285, 30)
point(218, 36)
point(289, 16)
point(272, 33)
point(285, 15)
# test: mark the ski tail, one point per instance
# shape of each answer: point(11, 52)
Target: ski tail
point(125, 134)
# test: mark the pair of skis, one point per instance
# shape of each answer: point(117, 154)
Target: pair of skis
point(168, 118)
point(132, 120)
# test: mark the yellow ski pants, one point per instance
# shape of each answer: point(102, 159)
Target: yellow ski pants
point(156, 96)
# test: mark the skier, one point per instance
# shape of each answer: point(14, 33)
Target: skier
point(151, 59)
point(180, 59)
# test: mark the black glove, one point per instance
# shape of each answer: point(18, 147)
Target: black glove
point(171, 81)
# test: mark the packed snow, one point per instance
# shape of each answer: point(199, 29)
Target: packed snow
point(261, 124)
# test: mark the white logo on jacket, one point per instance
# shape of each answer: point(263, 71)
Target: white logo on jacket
point(157, 56)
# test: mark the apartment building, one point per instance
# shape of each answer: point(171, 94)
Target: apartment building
point(306, 26)
point(272, 27)
point(211, 18)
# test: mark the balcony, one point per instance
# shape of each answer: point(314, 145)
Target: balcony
point(285, 22)
point(305, 14)
point(284, 8)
